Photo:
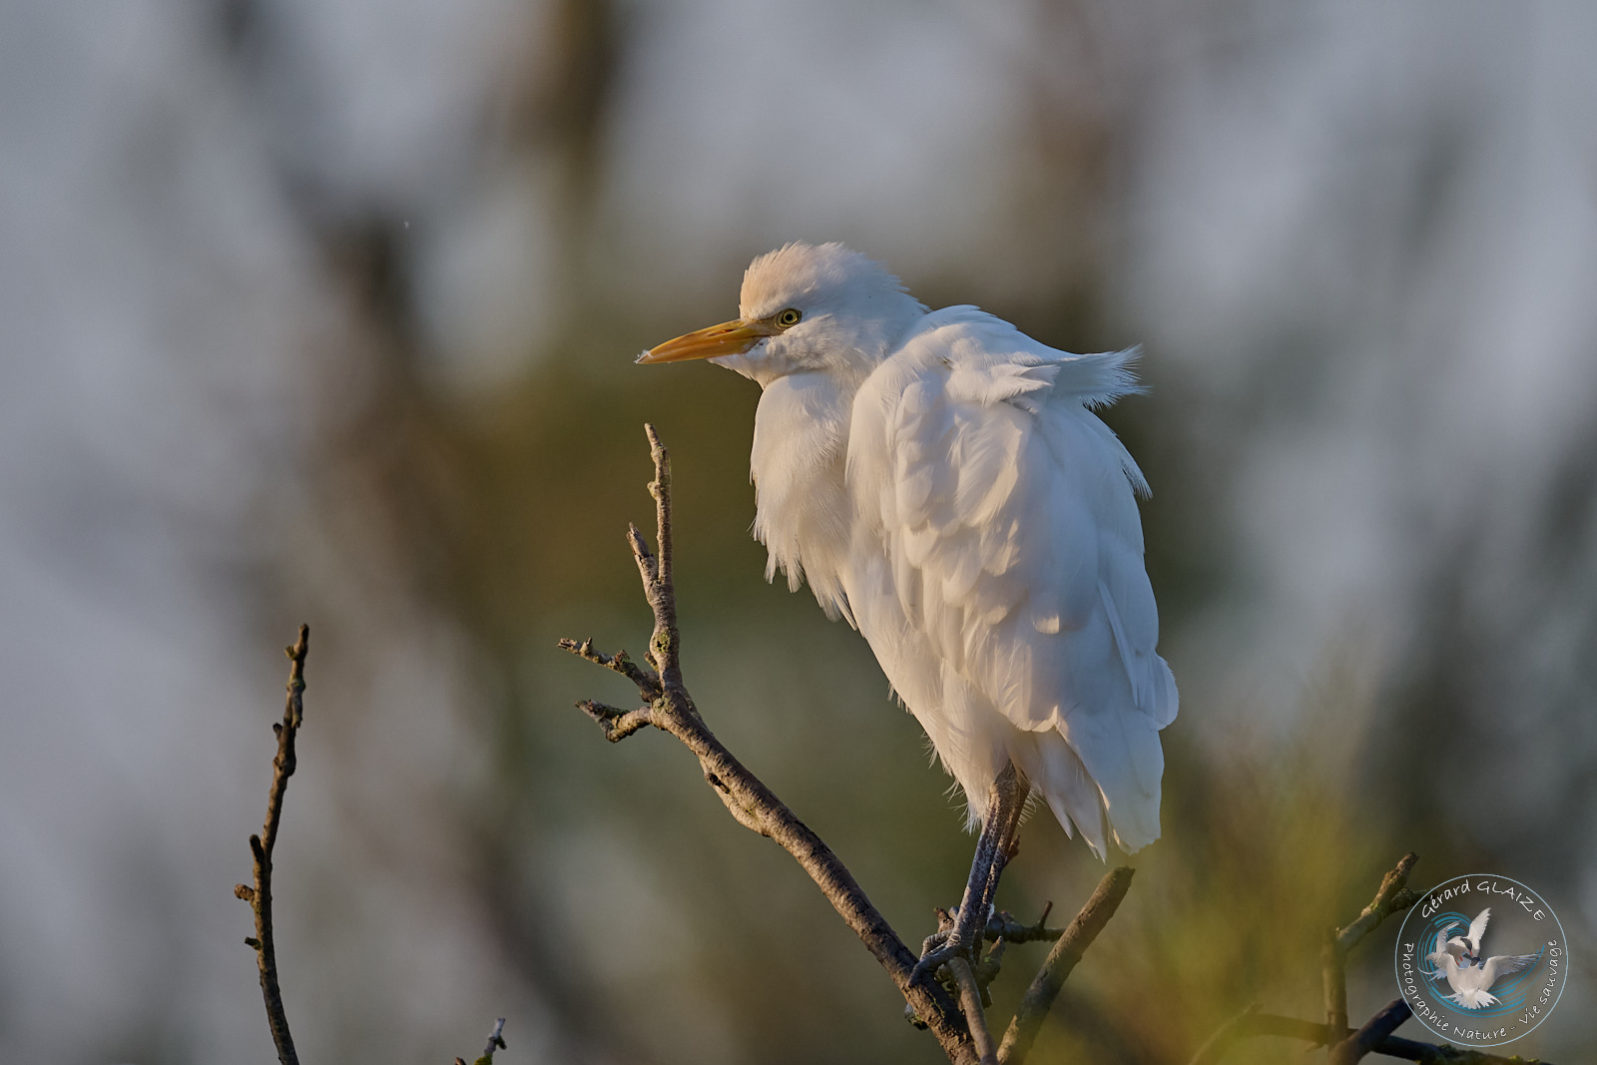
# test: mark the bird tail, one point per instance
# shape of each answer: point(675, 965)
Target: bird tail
point(1473, 999)
point(1055, 771)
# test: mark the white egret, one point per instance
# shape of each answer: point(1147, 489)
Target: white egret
point(941, 482)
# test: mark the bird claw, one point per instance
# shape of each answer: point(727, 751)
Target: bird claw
point(936, 958)
point(950, 941)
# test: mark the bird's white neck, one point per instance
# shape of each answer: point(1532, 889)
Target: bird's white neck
point(802, 513)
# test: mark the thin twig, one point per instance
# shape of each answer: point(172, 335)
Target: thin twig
point(970, 1001)
point(1233, 1030)
point(496, 1041)
point(665, 644)
point(1333, 982)
point(1375, 1037)
point(1445, 1054)
point(1062, 958)
point(670, 708)
point(1393, 896)
point(646, 679)
point(987, 968)
point(1351, 1050)
point(1002, 925)
point(260, 896)
point(1251, 1024)
point(617, 723)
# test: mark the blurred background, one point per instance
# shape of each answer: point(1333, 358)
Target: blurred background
point(325, 311)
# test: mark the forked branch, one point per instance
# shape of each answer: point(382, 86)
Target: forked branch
point(1253, 1024)
point(1393, 896)
point(1375, 1037)
point(665, 704)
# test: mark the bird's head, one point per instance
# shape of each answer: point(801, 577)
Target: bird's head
point(804, 308)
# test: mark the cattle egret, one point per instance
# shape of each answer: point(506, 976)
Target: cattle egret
point(941, 482)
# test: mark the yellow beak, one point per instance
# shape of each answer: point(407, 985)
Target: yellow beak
point(728, 338)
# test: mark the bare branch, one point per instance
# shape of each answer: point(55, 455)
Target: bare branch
point(665, 645)
point(496, 1041)
point(1445, 1054)
point(1352, 1049)
point(987, 968)
point(617, 723)
point(1251, 1024)
point(970, 1000)
point(1232, 1031)
point(747, 798)
point(1333, 982)
point(260, 896)
point(1393, 896)
point(1002, 925)
point(1375, 1037)
point(1066, 952)
point(647, 680)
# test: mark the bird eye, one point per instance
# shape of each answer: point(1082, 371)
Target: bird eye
point(789, 318)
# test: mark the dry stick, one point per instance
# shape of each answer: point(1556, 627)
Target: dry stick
point(1444, 1054)
point(1333, 981)
point(1232, 1031)
point(1003, 926)
point(1393, 895)
point(969, 983)
point(496, 1041)
point(1352, 1049)
point(260, 896)
point(261, 847)
point(1251, 1024)
point(1066, 952)
point(669, 708)
point(970, 1002)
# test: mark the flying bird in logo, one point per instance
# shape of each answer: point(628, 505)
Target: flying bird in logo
point(1458, 960)
point(1471, 943)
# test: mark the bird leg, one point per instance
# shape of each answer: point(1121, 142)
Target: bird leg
point(994, 847)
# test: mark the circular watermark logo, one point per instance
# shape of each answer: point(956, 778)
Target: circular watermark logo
point(1481, 960)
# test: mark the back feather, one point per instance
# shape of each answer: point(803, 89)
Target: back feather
point(996, 568)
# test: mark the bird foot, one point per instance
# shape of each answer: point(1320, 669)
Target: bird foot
point(954, 938)
point(938, 957)
point(962, 932)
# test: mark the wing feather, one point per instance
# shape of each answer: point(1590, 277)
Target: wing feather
point(1007, 513)
point(1503, 965)
point(1477, 928)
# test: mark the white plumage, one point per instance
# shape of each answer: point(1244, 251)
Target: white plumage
point(1468, 975)
point(1470, 945)
point(940, 480)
